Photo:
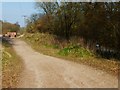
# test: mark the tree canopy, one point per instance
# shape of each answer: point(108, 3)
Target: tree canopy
point(9, 27)
point(95, 22)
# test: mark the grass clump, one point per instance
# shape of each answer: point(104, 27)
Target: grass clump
point(75, 50)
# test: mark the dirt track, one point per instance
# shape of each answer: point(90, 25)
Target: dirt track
point(43, 71)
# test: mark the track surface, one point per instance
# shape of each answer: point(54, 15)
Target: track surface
point(42, 71)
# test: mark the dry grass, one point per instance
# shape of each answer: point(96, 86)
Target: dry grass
point(42, 43)
point(110, 66)
point(12, 66)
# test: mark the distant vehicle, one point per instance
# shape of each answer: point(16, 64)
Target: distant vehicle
point(11, 34)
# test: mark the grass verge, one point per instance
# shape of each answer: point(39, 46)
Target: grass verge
point(12, 66)
point(45, 43)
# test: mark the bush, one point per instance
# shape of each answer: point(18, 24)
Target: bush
point(75, 50)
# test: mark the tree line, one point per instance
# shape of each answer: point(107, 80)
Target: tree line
point(94, 22)
point(9, 27)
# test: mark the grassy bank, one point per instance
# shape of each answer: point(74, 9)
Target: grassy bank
point(49, 45)
point(12, 66)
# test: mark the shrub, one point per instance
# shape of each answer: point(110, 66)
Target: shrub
point(75, 50)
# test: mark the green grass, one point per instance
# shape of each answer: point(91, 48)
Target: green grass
point(75, 50)
point(46, 44)
point(12, 66)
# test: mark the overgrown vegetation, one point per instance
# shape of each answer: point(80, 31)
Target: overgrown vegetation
point(47, 44)
point(75, 50)
point(11, 66)
point(94, 22)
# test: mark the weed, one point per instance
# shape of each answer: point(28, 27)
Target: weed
point(76, 51)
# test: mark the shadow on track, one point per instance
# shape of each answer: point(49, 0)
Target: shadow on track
point(6, 41)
